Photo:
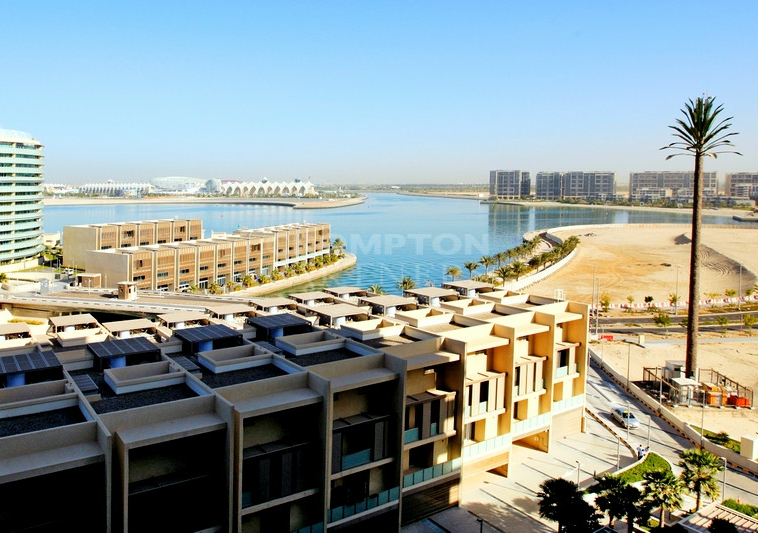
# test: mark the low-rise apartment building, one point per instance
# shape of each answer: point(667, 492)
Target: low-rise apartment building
point(300, 429)
point(741, 185)
point(677, 186)
point(78, 240)
point(220, 259)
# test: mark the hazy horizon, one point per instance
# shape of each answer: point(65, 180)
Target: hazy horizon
point(391, 92)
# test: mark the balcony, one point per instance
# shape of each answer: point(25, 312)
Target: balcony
point(430, 473)
point(356, 459)
point(487, 446)
point(414, 434)
point(563, 371)
point(372, 502)
point(568, 403)
point(521, 426)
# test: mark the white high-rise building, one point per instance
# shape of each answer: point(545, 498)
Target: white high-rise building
point(21, 168)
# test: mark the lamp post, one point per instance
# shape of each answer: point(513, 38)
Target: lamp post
point(618, 452)
point(649, 423)
point(660, 389)
point(628, 414)
point(702, 425)
point(578, 471)
point(628, 363)
point(739, 291)
point(481, 524)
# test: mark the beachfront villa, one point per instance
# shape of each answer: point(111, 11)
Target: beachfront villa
point(280, 425)
point(21, 172)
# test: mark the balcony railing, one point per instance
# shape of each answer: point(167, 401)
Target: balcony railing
point(561, 371)
point(486, 446)
point(315, 528)
point(430, 473)
point(568, 403)
point(530, 423)
point(375, 500)
point(356, 459)
point(414, 434)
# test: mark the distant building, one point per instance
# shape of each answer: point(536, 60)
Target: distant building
point(21, 172)
point(741, 185)
point(678, 186)
point(113, 188)
point(265, 187)
point(509, 184)
point(576, 184)
point(549, 186)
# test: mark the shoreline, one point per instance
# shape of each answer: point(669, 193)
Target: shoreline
point(294, 204)
point(720, 211)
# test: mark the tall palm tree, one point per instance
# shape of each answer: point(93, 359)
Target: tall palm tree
point(700, 470)
point(338, 245)
point(471, 266)
point(663, 489)
point(700, 135)
point(487, 261)
point(453, 272)
point(607, 489)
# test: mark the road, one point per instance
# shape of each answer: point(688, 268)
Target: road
point(664, 440)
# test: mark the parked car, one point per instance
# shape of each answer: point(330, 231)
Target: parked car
point(625, 417)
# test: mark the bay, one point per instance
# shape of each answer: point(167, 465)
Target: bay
point(392, 235)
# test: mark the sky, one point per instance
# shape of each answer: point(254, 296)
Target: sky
point(371, 92)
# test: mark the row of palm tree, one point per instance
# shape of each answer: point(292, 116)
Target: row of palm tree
point(510, 264)
point(562, 501)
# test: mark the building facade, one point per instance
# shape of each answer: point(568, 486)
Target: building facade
point(510, 184)
point(287, 427)
point(223, 258)
point(677, 186)
point(21, 174)
point(265, 187)
point(78, 240)
point(576, 184)
point(741, 185)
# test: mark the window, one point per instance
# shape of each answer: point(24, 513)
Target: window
point(563, 358)
point(162, 275)
point(203, 268)
point(184, 271)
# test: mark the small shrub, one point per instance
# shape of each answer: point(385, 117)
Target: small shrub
point(653, 462)
point(26, 321)
point(744, 508)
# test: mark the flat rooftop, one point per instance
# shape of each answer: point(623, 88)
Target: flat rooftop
point(235, 377)
point(327, 356)
point(17, 425)
point(110, 401)
point(386, 342)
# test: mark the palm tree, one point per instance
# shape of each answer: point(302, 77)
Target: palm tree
point(663, 489)
point(453, 272)
point(700, 135)
point(406, 283)
point(607, 489)
point(502, 257)
point(376, 289)
point(518, 269)
point(3, 277)
point(700, 470)
point(248, 281)
point(561, 501)
point(504, 273)
point(338, 245)
point(471, 266)
point(487, 261)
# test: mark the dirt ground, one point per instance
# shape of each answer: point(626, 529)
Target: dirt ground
point(642, 260)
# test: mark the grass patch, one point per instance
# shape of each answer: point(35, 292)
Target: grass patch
point(744, 508)
point(652, 463)
point(722, 439)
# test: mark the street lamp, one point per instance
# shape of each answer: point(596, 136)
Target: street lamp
point(660, 389)
point(702, 426)
point(618, 452)
point(649, 422)
point(676, 293)
point(628, 363)
point(578, 471)
point(481, 524)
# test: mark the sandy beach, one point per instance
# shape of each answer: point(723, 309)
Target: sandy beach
point(641, 260)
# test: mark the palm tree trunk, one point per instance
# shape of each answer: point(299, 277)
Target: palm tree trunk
point(693, 309)
point(663, 517)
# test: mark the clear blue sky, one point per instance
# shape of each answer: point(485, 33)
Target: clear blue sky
point(383, 92)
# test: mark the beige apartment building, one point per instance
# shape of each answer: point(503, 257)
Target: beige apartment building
point(78, 240)
point(223, 258)
point(287, 427)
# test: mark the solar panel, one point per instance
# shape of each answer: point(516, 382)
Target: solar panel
point(11, 364)
point(118, 347)
point(186, 364)
point(207, 333)
point(268, 346)
point(85, 383)
point(277, 321)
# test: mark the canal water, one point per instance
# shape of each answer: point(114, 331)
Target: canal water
point(392, 235)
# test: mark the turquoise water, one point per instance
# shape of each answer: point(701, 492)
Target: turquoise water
point(392, 235)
